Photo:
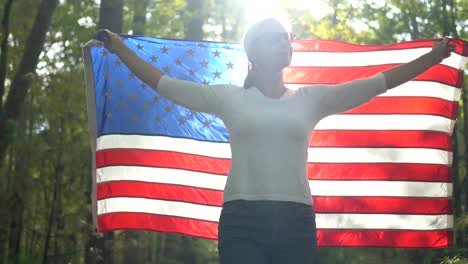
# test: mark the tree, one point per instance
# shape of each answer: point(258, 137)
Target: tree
point(3, 71)
point(139, 16)
point(197, 16)
point(10, 113)
point(111, 15)
point(21, 81)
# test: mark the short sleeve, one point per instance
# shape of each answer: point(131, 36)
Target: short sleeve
point(195, 96)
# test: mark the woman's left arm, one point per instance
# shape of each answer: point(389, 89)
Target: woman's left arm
point(338, 98)
point(408, 71)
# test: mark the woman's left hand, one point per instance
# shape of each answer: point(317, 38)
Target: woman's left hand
point(441, 49)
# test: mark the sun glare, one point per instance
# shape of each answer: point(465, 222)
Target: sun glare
point(256, 10)
point(260, 9)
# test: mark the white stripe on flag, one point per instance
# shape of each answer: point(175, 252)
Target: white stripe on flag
point(204, 148)
point(386, 122)
point(161, 175)
point(416, 89)
point(384, 221)
point(380, 155)
point(380, 188)
point(154, 206)
point(316, 154)
point(318, 187)
point(335, 221)
point(366, 58)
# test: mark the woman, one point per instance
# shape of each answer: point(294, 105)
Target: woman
point(267, 214)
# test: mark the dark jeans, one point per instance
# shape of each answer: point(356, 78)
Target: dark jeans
point(267, 232)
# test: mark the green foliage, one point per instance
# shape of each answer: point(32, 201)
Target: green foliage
point(166, 18)
point(336, 25)
point(455, 260)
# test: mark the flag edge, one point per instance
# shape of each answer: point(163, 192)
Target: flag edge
point(92, 122)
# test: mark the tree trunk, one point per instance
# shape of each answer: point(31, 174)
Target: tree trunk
point(110, 15)
point(30, 133)
point(194, 26)
point(465, 132)
point(25, 70)
point(17, 199)
point(157, 248)
point(456, 184)
point(38, 212)
point(445, 23)
point(16, 226)
point(93, 255)
point(453, 26)
point(4, 193)
point(221, 5)
point(188, 254)
point(139, 17)
point(130, 249)
point(236, 26)
point(58, 171)
point(414, 27)
point(4, 50)
point(335, 12)
point(58, 219)
point(108, 247)
point(162, 246)
point(55, 214)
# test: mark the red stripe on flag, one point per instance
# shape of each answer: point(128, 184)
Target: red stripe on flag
point(316, 171)
point(382, 205)
point(461, 47)
point(333, 75)
point(159, 191)
point(338, 46)
point(162, 223)
point(384, 238)
point(322, 204)
point(365, 138)
point(388, 171)
point(408, 105)
point(163, 159)
point(325, 237)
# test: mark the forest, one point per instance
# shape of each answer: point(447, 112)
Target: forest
point(45, 154)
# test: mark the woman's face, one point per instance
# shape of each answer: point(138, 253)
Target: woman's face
point(271, 47)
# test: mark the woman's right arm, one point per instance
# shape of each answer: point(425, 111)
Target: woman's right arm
point(195, 96)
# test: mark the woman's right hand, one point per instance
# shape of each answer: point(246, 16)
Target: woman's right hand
point(110, 39)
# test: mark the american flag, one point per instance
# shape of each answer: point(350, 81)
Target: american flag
point(379, 173)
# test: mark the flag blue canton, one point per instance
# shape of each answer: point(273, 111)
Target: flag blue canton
point(127, 105)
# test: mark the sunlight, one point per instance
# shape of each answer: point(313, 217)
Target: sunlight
point(261, 9)
point(317, 8)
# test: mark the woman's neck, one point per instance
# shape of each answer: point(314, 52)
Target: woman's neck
point(270, 83)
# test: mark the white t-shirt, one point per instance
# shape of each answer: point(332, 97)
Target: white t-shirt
point(269, 137)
